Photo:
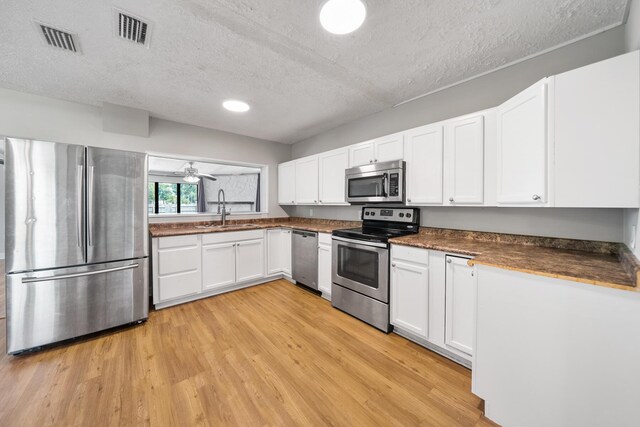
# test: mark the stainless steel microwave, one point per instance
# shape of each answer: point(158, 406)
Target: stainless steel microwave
point(376, 183)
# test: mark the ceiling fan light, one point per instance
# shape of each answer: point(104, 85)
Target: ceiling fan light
point(192, 179)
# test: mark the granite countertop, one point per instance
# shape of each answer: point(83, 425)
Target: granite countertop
point(308, 224)
point(597, 263)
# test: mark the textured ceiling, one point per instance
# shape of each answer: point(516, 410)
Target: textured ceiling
point(299, 79)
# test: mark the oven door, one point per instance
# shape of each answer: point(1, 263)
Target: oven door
point(361, 267)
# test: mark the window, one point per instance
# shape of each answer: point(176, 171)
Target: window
point(181, 186)
point(167, 198)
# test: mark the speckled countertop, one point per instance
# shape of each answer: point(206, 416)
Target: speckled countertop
point(308, 224)
point(596, 263)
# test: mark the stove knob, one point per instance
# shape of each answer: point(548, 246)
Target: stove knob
point(401, 215)
point(408, 215)
point(366, 213)
point(373, 214)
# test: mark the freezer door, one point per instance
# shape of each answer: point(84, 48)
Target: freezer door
point(44, 205)
point(55, 305)
point(116, 205)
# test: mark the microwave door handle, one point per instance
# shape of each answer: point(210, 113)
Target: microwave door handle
point(385, 185)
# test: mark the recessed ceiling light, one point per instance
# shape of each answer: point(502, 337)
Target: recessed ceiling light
point(342, 16)
point(236, 106)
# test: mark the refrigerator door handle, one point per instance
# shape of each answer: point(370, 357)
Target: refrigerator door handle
point(73, 275)
point(80, 180)
point(90, 205)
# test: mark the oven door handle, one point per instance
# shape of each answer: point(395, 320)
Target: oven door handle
point(360, 242)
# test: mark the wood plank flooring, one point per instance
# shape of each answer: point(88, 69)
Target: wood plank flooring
point(272, 354)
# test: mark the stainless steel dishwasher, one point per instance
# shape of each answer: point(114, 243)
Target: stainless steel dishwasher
point(305, 258)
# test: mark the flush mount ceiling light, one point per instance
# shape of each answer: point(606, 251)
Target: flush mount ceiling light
point(342, 16)
point(236, 106)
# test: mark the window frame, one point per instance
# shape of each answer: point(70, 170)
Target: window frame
point(156, 194)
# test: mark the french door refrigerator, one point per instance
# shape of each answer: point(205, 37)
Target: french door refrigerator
point(76, 241)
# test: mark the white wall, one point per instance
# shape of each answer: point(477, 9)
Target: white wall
point(477, 94)
point(31, 116)
point(588, 224)
point(2, 205)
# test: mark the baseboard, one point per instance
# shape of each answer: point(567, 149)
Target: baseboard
point(430, 346)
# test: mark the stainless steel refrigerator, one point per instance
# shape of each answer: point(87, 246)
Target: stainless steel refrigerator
point(76, 241)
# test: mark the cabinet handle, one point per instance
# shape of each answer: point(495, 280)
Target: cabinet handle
point(448, 260)
point(393, 265)
point(292, 201)
point(370, 161)
point(536, 197)
point(409, 200)
point(320, 201)
point(375, 160)
point(472, 274)
point(315, 201)
point(451, 199)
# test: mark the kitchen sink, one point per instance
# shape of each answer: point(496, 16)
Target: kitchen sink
point(204, 227)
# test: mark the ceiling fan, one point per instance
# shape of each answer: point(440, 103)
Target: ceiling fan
point(192, 175)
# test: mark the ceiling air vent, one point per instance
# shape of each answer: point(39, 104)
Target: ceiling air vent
point(132, 28)
point(58, 38)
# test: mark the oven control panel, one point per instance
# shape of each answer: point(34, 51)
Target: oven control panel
point(394, 214)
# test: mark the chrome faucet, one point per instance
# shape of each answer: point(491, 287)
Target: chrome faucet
point(224, 207)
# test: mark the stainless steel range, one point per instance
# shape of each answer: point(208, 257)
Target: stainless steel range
point(360, 265)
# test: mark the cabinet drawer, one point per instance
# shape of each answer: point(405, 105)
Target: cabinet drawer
point(179, 285)
point(231, 236)
point(407, 253)
point(177, 241)
point(171, 261)
point(324, 238)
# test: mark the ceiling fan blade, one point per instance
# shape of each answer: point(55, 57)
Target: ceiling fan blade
point(211, 177)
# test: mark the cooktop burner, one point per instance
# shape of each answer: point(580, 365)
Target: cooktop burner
point(381, 224)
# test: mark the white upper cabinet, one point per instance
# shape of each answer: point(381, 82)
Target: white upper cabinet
point(383, 149)
point(597, 134)
point(523, 147)
point(286, 183)
point(424, 155)
point(306, 180)
point(464, 161)
point(332, 165)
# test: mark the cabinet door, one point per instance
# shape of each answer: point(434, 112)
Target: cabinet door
point(177, 267)
point(306, 181)
point(361, 154)
point(424, 158)
point(332, 166)
point(388, 148)
point(286, 183)
point(597, 134)
point(410, 297)
point(286, 252)
point(249, 260)
point(460, 305)
point(324, 269)
point(522, 147)
point(465, 161)
point(218, 265)
point(275, 249)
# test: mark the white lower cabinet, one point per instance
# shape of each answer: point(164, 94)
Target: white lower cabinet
point(432, 300)
point(460, 304)
point(218, 265)
point(324, 264)
point(186, 268)
point(279, 251)
point(176, 267)
point(249, 260)
point(410, 297)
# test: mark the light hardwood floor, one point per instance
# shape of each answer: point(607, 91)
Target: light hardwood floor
point(273, 354)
